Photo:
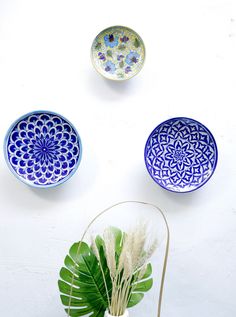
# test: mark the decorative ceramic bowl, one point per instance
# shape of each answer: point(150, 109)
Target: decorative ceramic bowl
point(118, 53)
point(42, 149)
point(181, 154)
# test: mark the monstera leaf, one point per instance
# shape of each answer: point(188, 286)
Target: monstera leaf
point(82, 286)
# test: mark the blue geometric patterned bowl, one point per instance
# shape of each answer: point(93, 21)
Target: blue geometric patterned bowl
point(181, 154)
point(42, 149)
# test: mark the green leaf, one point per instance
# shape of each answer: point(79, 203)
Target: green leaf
point(121, 64)
point(120, 75)
point(98, 46)
point(135, 299)
point(109, 53)
point(99, 241)
point(81, 283)
point(118, 234)
point(75, 302)
point(121, 47)
point(143, 286)
point(147, 273)
point(136, 43)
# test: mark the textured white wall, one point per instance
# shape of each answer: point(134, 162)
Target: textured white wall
point(190, 71)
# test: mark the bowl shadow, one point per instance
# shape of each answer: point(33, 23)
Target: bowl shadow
point(111, 90)
point(151, 191)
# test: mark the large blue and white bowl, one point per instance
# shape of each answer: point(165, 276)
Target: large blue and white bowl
point(42, 149)
point(181, 154)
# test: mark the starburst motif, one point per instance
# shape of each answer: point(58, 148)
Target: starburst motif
point(45, 149)
point(179, 154)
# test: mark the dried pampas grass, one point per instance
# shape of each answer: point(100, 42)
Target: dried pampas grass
point(127, 268)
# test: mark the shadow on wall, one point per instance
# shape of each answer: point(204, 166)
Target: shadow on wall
point(18, 195)
point(150, 191)
point(109, 90)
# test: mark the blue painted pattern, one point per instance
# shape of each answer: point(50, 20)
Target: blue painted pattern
point(181, 154)
point(42, 149)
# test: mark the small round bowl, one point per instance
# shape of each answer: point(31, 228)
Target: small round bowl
point(118, 53)
point(42, 149)
point(181, 154)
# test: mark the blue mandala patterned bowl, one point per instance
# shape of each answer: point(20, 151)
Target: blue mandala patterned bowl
point(181, 154)
point(42, 149)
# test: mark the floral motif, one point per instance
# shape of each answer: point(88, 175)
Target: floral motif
point(181, 154)
point(118, 53)
point(124, 39)
point(120, 57)
point(132, 58)
point(111, 40)
point(127, 69)
point(110, 67)
point(43, 149)
point(102, 56)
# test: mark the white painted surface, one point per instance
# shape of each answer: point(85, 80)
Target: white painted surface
point(190, 71)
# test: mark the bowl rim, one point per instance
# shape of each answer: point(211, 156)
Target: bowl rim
point(115, 79)
point(8, 133)
point(216, 153)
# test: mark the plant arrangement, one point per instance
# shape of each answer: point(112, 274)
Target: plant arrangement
point(110, 275)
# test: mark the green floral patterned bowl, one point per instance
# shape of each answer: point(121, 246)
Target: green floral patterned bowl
point(118, 53)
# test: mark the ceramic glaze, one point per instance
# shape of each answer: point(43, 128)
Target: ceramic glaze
point(118, 53)
point(181, 154)
point(126, 314)
point(42, 149)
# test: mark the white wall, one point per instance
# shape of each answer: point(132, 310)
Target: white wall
point(190, 71)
